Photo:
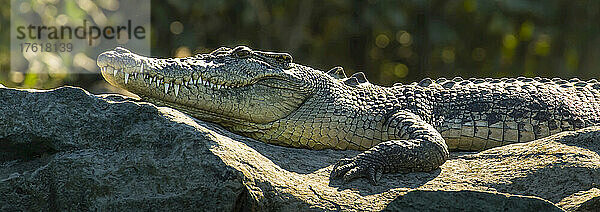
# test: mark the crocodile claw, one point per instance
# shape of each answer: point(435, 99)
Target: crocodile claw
point(357, 167)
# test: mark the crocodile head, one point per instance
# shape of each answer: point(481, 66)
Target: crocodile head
point(227, 86)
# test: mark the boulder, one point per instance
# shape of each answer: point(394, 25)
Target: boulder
point(67, 149)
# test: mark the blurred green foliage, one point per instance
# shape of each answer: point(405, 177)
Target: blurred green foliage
point(4, 41)
point(391, 41)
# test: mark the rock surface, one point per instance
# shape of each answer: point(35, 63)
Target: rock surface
point(66, 149)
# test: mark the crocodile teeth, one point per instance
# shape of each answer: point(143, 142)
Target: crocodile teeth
point(153, 80)
point(142, 68)
point(176, 90)
point(126, 78)
point(115, 72)
point(167, 87)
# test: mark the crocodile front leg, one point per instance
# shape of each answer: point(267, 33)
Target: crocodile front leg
point(419, 147)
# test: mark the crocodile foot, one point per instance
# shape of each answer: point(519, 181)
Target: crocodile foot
point(357, 167)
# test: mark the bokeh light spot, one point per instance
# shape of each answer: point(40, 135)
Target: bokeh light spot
point(16, 77)
point(394, 70)
point(183, 51)
point(24, 7)
point(176, 27)
point(542, 45)
point(400, 70)
point(526, 30)
point(404, 38)
point(509, 41)
point(382, 41)
point(62, 19)
point(448, 55)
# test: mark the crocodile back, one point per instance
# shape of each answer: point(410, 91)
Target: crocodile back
point(481, 114)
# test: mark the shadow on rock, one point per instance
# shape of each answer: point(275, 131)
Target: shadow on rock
point(301, 161)
point(305, 161)
point(422, 200)
point(387, 182)
point(564, 180)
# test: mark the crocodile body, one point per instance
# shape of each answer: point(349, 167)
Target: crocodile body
point(264, 95)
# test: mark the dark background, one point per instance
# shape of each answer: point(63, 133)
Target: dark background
point(391, 41)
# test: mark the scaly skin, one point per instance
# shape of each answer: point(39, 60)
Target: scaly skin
point(264, 95)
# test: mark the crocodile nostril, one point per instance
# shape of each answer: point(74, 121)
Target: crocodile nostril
point(103, 59)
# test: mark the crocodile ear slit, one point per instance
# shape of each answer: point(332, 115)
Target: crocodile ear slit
point(337, 72)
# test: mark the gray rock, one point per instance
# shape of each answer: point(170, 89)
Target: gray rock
point(467, 201)
point(66, 149)
point(582, 201)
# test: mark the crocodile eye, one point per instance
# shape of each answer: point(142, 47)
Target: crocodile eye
point(242, 52)
point(284, 58)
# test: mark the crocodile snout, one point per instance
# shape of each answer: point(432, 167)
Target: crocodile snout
point(118, 58)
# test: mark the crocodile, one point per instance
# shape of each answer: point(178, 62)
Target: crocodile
point(401, 128)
